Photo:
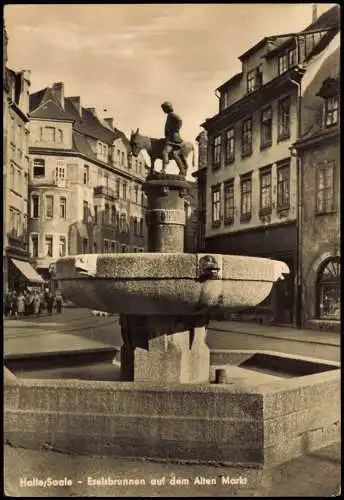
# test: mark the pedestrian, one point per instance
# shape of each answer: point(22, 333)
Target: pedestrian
point(36, 304)
point(42, 301)
point(28, 303)
point(20, 304)
point(8, 304)
point(50, 303)
point(14, 303)
point(58, 301)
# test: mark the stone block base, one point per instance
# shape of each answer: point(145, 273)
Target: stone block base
point(160, 349)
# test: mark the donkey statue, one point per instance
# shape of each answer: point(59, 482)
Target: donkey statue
point(155, 147)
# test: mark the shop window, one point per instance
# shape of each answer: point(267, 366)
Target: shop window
point(329, 290)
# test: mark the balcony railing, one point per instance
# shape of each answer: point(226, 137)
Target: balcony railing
point(105, 191)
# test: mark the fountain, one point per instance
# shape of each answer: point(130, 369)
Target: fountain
point(176, 400)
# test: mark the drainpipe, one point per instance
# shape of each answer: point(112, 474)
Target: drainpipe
point(298, 214)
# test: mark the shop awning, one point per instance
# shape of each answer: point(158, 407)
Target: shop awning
point(28, 271)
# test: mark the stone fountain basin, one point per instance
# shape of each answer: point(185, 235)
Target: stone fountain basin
point(160, 283)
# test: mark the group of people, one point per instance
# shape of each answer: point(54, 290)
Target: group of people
point(32, 302)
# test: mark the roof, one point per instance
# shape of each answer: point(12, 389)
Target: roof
point(50, 110)
point(253, 49)
point(45, 105)
point(232, 81)
point(328, 20)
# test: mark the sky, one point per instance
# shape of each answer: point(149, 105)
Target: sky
point(128, 59)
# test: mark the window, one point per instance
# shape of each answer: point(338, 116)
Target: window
point(95, 247)
point(86, 174)
point(283, 186)
point(282, 63)
point(329, 290)
point(216, 205)
point(123, 248)
point(113, 247)
point(107, 214)
point(230, 145)
point(229, 202)
point(135, 226)
point(60, 171)
point(84, 245)
point(246, 137)
point(217, 151)
point(136, 193)
point(265, 191)
point(12, 177)
point(117, 188)
point(62, 246)
point(141, 227)
point(266, 128)
point(85, 212)
point(38, 168)
point(284, 118)
point(291, 58)
point(123, 223)
point(49, 207)
point(122, 159)
point(113, 216)
point(34, 245)
point(331, 111)
point(49, 246)
point(49, 134)
point(325, 194)
point(254, 79)
point(96, 215)
point(63, 208)
point(106, 246)
point(124, 191)
point(246, 198)
point(35, 206)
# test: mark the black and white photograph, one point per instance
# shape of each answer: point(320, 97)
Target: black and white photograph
point(171, 250)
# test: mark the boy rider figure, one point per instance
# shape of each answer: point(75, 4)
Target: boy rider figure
point(172, 127)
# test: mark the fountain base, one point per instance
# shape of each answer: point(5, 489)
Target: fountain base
point(252, 420)
point(164, 349)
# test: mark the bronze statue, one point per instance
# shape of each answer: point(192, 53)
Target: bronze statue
point(172, 147)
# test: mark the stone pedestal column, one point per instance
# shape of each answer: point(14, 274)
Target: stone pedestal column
point(165, 215)
point(165, 348)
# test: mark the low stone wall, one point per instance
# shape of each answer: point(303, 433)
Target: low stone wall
point(241, 425)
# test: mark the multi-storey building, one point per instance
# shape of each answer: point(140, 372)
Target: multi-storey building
point(201, 178)
point(318, 151)
point(252, 179)
point(85, 188)
point(16, 268)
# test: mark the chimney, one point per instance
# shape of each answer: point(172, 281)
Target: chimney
point(314, 12)
point(92, 111)
point(75, 100)
point(109, 121)
point(58, 90)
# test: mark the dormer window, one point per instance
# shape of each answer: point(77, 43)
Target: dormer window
point(331, 111)
point(254, 79)
point(330, 93)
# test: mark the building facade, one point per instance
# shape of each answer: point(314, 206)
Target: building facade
point(318, 150)
point(85, 188)
point(17, 272)
point(252, 179)
point(201, 179)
